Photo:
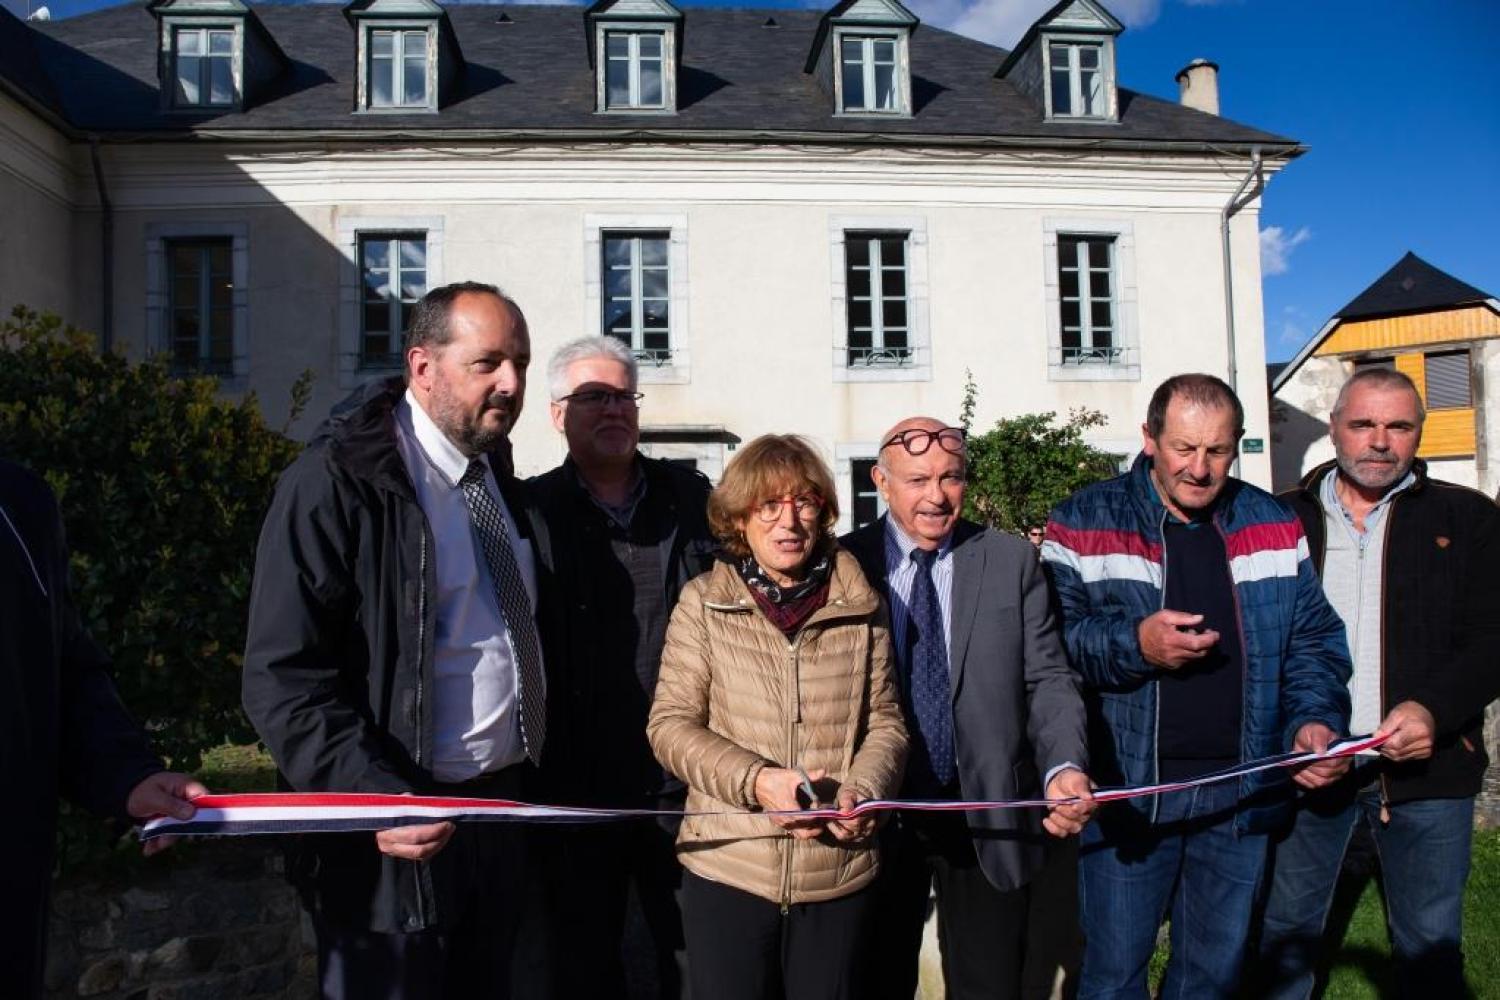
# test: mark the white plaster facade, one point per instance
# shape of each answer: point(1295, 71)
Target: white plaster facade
point(754, 268)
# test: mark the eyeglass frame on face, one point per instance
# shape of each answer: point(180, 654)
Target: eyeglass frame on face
point(806, 507)
point(600, 398)
point(911, 434)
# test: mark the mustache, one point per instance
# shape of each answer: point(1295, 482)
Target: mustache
point(500, 401)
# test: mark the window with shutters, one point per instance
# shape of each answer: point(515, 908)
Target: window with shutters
point(1448, 380)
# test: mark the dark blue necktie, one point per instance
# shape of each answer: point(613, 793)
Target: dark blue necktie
point(931, 703)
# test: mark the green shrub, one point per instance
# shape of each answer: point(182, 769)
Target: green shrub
point(1026, 465)
point(163, 487)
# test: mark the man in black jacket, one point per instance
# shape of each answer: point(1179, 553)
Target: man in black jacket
point(1412, 565)
point(393, 647)
point(628, 533)
point(62, 727)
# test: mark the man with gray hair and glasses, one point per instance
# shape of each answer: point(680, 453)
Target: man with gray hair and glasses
point(1412, 566)
point(629, 532)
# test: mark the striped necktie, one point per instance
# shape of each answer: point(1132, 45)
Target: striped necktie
point(515, 606)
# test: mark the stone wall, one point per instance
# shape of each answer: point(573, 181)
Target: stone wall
point(220, 925)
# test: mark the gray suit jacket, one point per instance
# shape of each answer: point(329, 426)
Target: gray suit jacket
point(1017, 711)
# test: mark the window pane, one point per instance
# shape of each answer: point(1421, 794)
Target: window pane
point(413, 253)
point(616, 251)
point(617, 45)
point(220, 293)
point(854, 86)
point(1062, 93)
point(617, 83)
point(859, 317)
point(382, 44)
point(1070, 317)
point(377, 317)
point(893, 314)
point(187, 80)
point(617, 282)
point(884, 50)
point(1099, 314)
point(221, 81)
point(1098, 284)
point(376, 348)
point(654, 313)
point(1068, 283)
point(857, 251)
point(655, 340)
point(414, 81)
point(220, 346)
point(895, 340)
point(617, 317)
point(221, 42)
point(185, 339)
point(650, 84)
point(885, 88)
point(1088, 57)
point(376, 253)
point(1092, 90)
point(653, 251)
point(893, 251)
point(406, 309)
point(864, 506)
point(650, 46)
point(189, 42)
point(413, 285)
point(893, 283)
point(654, 284)
point(382, 82)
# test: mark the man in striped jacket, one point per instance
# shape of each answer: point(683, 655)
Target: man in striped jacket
point(1195, 618)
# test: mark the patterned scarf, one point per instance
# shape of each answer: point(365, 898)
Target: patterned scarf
point(788, 608)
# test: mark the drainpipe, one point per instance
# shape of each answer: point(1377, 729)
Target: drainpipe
point(106, 253)
point(1236, 202)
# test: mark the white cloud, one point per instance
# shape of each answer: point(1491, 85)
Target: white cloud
point(1003, 22)
point(1276, 248)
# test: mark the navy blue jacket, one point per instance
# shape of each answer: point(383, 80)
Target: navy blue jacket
point(1105, 553)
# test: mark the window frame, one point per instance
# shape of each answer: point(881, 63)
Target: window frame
point(645, 357)
point(663, 29)
point(919, 339)
point(677, 369)
point(402, 28)
point(901, 70)
point(1086, 299)
point(1127, 366)
point(169, 56)
point(1468, 366)
point(395, 280)
point(160, 237)
point(847, 482)
point(873, 240)
point(351, 372)
point(204, 247)
point(1108, 110)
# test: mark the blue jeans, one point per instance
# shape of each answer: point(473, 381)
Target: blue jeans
point(1424, 863)
point(1190, 861)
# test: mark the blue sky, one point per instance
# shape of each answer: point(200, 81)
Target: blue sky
point(1397, 100)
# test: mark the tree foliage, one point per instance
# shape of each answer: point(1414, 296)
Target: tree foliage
point(163, 486)
point(1026, 465)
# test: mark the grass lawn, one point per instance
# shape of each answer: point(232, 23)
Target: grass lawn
point(1360, 968)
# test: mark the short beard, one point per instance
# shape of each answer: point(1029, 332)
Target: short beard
point(466, 433)
point(1349, 466)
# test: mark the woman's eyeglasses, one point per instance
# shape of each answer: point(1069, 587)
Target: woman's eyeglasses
point(916, 441)
point(806, 505)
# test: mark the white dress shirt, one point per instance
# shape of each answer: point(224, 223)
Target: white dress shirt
point(475, 709)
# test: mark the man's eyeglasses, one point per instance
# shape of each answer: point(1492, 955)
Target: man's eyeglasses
point(806, 505)
point(603, 397)
point(916, 441)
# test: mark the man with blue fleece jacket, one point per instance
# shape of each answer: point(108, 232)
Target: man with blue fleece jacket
point(1192, 611)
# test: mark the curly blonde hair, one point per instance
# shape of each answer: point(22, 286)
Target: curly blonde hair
point(773, 465)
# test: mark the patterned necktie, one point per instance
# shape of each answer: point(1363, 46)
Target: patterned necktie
point(931, 703)
point(515, 606)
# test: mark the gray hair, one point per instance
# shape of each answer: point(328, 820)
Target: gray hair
point(1378, 377)
point(586, 349)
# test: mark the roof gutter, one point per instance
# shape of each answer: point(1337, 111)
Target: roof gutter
point(106, 253)
point(430, 136)
point(1237, 201)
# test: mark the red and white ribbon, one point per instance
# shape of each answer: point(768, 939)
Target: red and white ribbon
point(335, 812)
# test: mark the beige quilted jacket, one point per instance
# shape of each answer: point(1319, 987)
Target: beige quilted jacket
point(734, 695)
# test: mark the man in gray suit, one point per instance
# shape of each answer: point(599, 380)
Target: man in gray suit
point(993, 711)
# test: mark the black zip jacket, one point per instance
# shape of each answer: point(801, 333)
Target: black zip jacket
point(1440, 623)
point(673, 510)
point(62, 726)
point(339, 650)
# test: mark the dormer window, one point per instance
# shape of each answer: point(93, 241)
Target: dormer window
point(635, 47)
point(1077, 84)
point(204, 67)
point(861, 56)
point(634, 70)
point(409, 59)
point(869, 74)
point(398, 68)
point(1066, 63)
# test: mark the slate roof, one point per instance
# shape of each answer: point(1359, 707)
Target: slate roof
point(21, 70)
point(740, 81)
point(1412, 285)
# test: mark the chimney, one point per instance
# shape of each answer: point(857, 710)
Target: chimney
point(1199, 80)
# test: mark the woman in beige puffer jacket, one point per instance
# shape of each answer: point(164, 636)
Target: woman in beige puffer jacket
point(744, 703)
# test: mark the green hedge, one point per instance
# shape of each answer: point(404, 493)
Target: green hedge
point(163, 486)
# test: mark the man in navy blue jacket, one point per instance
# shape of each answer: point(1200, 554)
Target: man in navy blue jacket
point(1193, 613)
